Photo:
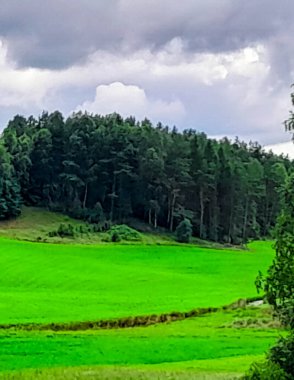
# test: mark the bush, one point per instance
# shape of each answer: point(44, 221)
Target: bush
point(265, 371)
point(280, 364)
point(64, 230)
point(184, 231)
point(115, 237)
point(282, 354)
point(125, 232)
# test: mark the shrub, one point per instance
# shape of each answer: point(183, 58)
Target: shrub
point(115, 237)
point(64, 230)
point(265, 371)
point(184, 231)
point(126, 233)
point(106, 239)
point(283, 354)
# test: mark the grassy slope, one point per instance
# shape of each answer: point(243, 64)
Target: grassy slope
point(45, 283)
point(210, 344)
point(34, 224)
point(56, 283)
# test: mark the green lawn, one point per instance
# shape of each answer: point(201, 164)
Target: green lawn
point(58, 283)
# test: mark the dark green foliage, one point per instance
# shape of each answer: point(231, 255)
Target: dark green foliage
point(266, 371)
point(106, 168)
point(279, 284)
point(279, 364)
point(10, 200)
point(282, 354)
point(96, 214)
point(278, 287)
point(115, 237)
point(184, 231)
point(64, 230)
point(123, 232)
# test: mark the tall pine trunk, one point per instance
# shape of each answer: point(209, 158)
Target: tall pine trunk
point(201, 199)
point(85, 196)
point(172, 209)
point(149, 216)
point(112, 197)
point(245, 220)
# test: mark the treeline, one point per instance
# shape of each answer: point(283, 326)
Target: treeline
point(108, 168)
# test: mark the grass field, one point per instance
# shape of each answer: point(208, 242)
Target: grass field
point(59, 283)
point(210, 344)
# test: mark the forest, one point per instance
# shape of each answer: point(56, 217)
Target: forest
point(109, 169)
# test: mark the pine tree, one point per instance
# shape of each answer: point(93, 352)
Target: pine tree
point(184, 231)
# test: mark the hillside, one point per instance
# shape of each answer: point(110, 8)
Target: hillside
point(46, 286)
point(35, 224)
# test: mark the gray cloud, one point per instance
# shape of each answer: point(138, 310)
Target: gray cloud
point(58, 33)
point(227, 63)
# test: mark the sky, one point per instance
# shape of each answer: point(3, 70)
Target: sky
point(223, 67)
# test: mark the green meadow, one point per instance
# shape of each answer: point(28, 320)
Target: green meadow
point(211, 344)
point(63, 283)
point(59, 283)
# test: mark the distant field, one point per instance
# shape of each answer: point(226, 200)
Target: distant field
point(58, 283)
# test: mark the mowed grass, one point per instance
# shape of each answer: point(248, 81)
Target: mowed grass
point(59, 283)
point(210, 345)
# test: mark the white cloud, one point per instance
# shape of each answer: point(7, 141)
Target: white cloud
point(131, 100)
point(21, 87)
point(219, 93)
point(143, 66)
point(286, 148)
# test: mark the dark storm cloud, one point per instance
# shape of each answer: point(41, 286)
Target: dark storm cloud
point(59, 33)
point(56, 33)
point(220, 66)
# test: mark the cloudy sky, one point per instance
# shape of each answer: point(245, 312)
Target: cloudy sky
point(224, 67)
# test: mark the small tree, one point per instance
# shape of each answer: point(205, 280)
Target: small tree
point(279, 291)
point(184, 231)
point(279, 284)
